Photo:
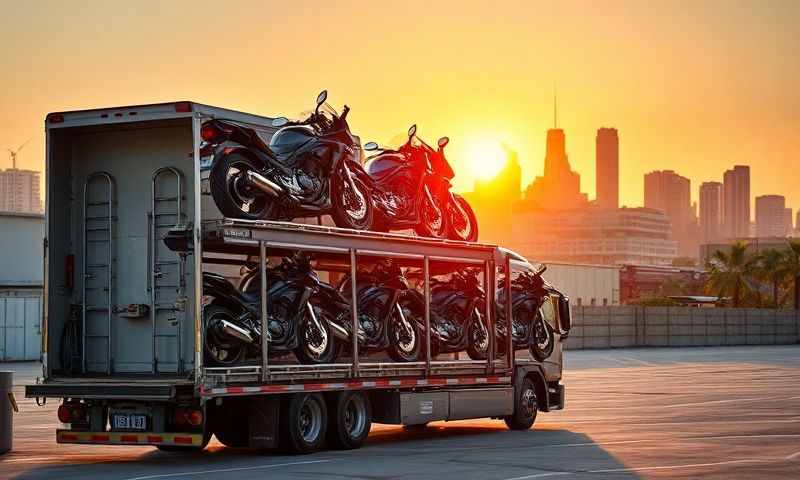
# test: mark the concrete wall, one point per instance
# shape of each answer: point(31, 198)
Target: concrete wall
point(628, 326)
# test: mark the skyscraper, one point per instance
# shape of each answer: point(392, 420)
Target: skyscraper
point(20, 191)
point(671, 193)
point(607, 167)
point(770, 216)
point(736, 204)
point(711, 212)
point(787, 219)
point(559, 188)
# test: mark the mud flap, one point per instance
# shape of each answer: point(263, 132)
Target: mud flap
point(264, 412)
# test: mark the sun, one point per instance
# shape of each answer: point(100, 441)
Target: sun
point(485, 157)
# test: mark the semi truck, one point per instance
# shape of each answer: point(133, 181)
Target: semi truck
point(123, 330)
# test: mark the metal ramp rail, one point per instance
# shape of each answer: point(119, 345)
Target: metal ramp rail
point(341, 249)
point(98, 230)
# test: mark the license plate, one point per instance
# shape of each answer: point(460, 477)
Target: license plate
point(129, 422)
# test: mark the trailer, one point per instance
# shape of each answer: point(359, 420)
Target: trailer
point(123, 333)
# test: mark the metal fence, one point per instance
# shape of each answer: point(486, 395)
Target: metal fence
point(624, 326)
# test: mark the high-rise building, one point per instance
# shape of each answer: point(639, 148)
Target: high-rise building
point(607, 167)
point(671, 193)
point(736, 203)
point(711, 212)
point(788, 221)
point(770, 216)
point(797, 222)
point(559, 188)
point(20, 191)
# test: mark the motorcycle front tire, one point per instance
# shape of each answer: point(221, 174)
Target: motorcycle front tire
point(470, 234)
point(538, 352)
point(304, 351)
point(342, 215)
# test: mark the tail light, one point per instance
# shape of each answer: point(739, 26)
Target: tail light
point(55, 118)
point(183, 107)
point(72, 413)
point(213, 132)
point(188, 416)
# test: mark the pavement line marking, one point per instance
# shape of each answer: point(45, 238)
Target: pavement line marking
point(648, 364)
point(675, 467)
point(730, 400)
point(791, 457)
point(223, 470)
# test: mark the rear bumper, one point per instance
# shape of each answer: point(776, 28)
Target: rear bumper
point(556, 396)
point(108, 390)
point(130, 438)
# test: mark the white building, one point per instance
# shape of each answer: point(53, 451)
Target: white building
point(21, 279)
point(585, 284)
point(20, 191)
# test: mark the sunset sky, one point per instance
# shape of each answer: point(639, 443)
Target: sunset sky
point(692, 86)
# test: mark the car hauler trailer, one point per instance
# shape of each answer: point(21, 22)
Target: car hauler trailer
point(124, 335)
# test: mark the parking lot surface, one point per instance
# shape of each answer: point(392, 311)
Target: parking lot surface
point(729, 412)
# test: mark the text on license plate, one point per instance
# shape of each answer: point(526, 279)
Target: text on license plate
point(129, 422)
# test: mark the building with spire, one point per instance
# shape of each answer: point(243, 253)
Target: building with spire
point(560, 187)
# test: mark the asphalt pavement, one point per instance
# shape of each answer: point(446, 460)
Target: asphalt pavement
point(719, 413)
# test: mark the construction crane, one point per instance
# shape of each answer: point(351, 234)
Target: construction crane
point(14, 153)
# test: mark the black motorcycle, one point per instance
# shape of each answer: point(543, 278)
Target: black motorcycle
point(232, 318)
point(529, 329)
point(411, 189)
point(457, 315)
point(390, 313)
point(309, 168)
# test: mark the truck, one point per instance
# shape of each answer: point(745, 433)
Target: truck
point(123, 329)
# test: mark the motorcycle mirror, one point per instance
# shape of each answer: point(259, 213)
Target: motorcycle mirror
point(412, 131)
point(323, 95)
point(279, 122)
point(371, 146)
point(443, 142)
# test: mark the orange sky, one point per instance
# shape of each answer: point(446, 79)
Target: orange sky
point(692, 86)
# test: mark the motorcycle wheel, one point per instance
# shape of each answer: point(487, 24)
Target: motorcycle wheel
point(352, 209)
point(220, 351)
point(433, 223)
point(316, 347)
point(463, 225)
point(542, 340)
point(404, 347)
point(231, 192)
point(477, 347)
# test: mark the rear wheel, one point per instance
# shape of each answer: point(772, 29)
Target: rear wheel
point(352, 208)
point(233, 194)
point(525, 407)
point(350, 420)
point(478, 346)
point(229, 422)
point(463, 224)
point(304, 424)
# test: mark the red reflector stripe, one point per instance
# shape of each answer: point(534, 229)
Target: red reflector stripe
point(69, 436)
point(182, 440)
point(129, 438)
point(155, 438)
point(99, 438)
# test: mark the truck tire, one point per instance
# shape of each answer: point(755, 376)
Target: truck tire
point(350, 419)
point(303, 423)
point(525, 407)
point(229, 422)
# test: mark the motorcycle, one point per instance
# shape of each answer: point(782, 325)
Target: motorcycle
point(411, 189)
point(457, 318)
point(390, 313)
point(295, 323)
point(528, 326)
point(309, 168)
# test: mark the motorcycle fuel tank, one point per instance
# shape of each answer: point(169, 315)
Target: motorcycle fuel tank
point(385, 164)
point(288, 140)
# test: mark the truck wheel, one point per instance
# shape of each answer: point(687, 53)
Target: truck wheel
point(232, 434)
point(525, 407)
point(350, 420)
point(304, 424)
point(229, 422)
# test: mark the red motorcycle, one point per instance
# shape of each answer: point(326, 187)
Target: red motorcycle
point(411, 189)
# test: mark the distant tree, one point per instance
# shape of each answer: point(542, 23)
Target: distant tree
point(770, 267)
point(792, 266)
point(730, 273)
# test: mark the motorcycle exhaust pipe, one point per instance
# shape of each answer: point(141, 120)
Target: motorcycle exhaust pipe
point(263, 183)
point(235, 331)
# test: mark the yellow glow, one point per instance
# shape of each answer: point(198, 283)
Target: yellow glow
point(485, 158)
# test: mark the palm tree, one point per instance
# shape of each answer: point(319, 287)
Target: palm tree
point(729, 273)
point(792, 267)
point(770, 267)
